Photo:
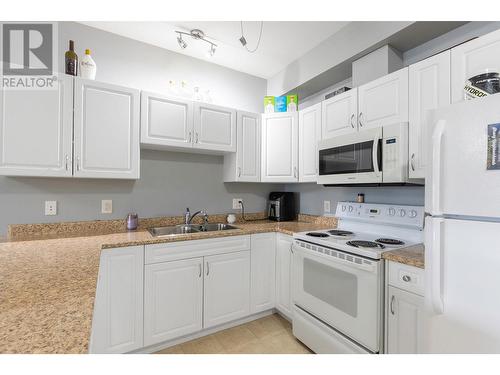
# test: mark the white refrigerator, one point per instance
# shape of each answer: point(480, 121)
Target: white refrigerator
point(462, 229)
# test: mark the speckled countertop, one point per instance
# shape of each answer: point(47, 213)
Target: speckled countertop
point(412, 256)
point(47, 287)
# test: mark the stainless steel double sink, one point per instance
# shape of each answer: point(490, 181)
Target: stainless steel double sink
point(188, 228)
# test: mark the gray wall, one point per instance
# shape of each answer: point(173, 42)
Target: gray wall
point(169, 181)
point(311, 196)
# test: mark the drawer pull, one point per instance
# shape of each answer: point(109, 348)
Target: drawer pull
point(406, 278)
point(392, 305)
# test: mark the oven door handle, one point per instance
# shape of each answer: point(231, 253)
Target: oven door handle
point(328, 259)
point(376, 167)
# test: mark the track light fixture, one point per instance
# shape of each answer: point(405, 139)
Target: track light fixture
point(198, 35)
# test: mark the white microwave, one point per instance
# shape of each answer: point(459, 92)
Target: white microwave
point(371, 157)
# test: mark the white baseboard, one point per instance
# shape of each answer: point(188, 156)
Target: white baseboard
point(167, 344)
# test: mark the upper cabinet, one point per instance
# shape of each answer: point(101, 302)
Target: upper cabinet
point(340, 114)
point(309, 136)
point(82, 128)
point(473, 58)
point(244, 164)
point(429, 89)
point(36, 131)
point(214, 127)
point(106, 130)
point(182, 125)
point(280, 147)
point(384, 101)
point(166, 121)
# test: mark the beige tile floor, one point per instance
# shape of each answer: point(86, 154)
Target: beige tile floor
point(269, 335)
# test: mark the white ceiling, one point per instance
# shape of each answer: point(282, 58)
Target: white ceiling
point(282, 42)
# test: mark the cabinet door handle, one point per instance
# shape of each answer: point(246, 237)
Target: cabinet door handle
point(295, 172)
point(412, 162)
point(208, 269)
point(199, 268)
point(77, 163)
point(352, 120)
point(239, 171)
point(190, 137)
point(406, 278)
point(360, 119)
point(67, 162)
point(392, 304)
point(196, 137)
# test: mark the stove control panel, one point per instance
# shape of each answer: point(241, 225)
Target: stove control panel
point(412, 216)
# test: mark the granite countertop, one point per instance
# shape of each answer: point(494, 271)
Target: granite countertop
point(412, 256)
point(48, 285)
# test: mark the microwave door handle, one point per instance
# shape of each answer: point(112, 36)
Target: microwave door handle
point(376, 167)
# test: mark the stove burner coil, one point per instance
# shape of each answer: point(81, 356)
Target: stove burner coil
point(317, 234)
point(341, 233)
point(370, 244)
point(390, 241)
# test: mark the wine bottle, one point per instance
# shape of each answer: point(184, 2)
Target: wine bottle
point(71, 60)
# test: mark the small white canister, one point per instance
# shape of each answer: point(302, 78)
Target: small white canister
point(231, 218)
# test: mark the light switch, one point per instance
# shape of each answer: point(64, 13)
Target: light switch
point(326, 206)
point(106, 206)
point(50, 208)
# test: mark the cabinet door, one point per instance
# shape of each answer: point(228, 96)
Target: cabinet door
point(340, 114)
point(173, 299)
point(280, 147)
point(166, 122)
point(106, 130)
point(214, 128)
point(283, 274)
point(262, 272)
point(429, 85)
point(309, 136)
point(36, 130)
point(384, 101)
point(405, 312)
point(117, 325)
point(472, 58)
point(227, 288)
point(248, 150)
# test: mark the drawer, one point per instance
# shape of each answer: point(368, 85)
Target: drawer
point(165, 252)
point(406, 277)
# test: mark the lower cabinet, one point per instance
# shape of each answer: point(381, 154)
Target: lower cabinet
point(404, 321)
point(118, 307)
point(172, 299)
point(283, 274)
point(262, 272)
point(227, 288)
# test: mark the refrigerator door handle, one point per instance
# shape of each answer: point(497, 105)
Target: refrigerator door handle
point(435, 255)
point(437, 137)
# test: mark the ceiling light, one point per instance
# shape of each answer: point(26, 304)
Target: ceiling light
point(181, 42)
point(243, 40)
point(198, 35)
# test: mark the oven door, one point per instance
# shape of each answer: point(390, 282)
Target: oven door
point(340, 289)
point(351, 159)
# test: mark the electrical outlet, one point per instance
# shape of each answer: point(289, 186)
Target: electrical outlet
point(50, 208)
point(326, 206)
point(236, 203)
point(106, 206)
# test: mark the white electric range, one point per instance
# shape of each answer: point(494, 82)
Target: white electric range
point(338, 275)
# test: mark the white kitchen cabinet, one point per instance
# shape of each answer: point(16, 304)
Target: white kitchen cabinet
point(244, 164)
point(173, 296)
point(166, 122)
point(429, 88)
point(340, 114)
point(405, 314)
point(473, 58)
point(262, 272)
point(36, 130)
point(309, 136)
point(214, 128)
point(283, 274)
point(117, 325)
point(384, 101)
point(227, 288)
point(280, 147)
point(106, 130)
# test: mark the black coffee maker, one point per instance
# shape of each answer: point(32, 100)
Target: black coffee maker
point(281, 206)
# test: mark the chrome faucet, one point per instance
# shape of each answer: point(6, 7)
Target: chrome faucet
point(188, 217)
